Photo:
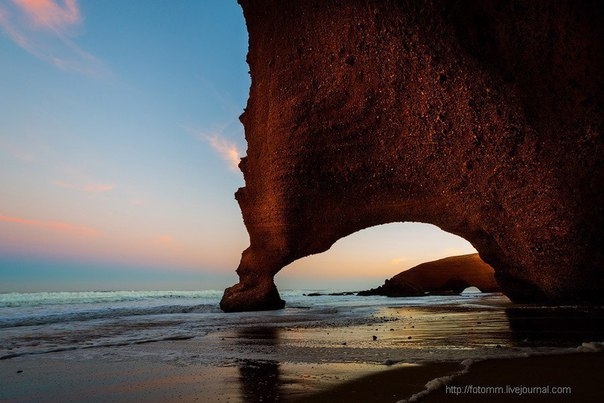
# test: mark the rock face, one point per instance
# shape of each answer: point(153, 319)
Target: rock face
point(479, 116)
point(443, 276)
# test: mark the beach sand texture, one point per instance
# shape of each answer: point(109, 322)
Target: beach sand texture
point(320, 349)
point(57, 378)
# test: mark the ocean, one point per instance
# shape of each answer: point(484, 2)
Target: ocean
point(336, 328)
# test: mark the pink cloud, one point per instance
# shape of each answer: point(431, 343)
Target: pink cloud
point(41, 27)
point(226, 149)
point(88, 188)
point(166, 244)
point(166, 239)
point(50, 14)
point(15, 34)
point(97, 188)
point(54, 226)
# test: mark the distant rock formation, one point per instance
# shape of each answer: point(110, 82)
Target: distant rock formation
point(482, 117)
point(450, 275)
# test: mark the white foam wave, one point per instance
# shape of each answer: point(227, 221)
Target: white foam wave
point(440, 382)
point(591, 347)
point(14, 300)
point(110, 312)
point(437, 383)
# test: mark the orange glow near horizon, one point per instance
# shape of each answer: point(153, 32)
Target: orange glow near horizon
point(98, 166)
point(117, 245)
point(61, 226)
point(378, 252)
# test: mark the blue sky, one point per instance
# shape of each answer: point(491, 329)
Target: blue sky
point(119, 138)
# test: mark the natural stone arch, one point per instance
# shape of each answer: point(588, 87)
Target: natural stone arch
point(482, 118)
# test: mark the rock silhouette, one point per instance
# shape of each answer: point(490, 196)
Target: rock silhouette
point(481, 117)
point(450, 275)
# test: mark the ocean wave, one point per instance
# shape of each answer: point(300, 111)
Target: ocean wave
point(105, 313)
point(98, 345)
point(441, 382)
point(15, 300)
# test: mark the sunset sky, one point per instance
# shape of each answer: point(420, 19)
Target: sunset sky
point(119, 139)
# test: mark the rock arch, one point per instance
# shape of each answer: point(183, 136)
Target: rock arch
point(481, 117)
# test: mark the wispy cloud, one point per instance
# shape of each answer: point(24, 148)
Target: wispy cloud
point(22, 153)
point(167, 243)
point(45, 29)
point(227, 150)
point(60, 226)
point(97, 188)
point(23, 156)
point(49, 14)
point(89, 187)
point(166, 239)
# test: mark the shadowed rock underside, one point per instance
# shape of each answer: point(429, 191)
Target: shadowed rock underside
point(481, 117)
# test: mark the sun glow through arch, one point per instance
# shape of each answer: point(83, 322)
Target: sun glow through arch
point(367, 257)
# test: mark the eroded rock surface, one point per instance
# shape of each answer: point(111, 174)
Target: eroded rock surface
point(481, 117)
point(450, 275)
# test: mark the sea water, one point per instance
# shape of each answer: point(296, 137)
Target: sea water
point(414, 329)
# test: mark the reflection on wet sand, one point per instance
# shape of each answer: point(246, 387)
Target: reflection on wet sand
point(402, 335)
point(259, 380)
point(258, 335)
point(555, 326)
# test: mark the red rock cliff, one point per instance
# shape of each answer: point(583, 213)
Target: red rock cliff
point(481, 117)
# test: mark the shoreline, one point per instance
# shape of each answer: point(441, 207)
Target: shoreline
point(549, 378)
point(576, 377)
point(323, 348)
point(57, 377)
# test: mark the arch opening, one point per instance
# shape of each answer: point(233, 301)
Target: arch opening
point(365, 258)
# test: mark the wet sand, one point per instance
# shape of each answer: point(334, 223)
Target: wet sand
point(29, 379)
point(56, 378)
point(577, 377)
point(343, 353)
point(556, 378)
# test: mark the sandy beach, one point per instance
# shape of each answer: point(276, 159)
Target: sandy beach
point(324, 348)
point(554, 378)
point(57, 378)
